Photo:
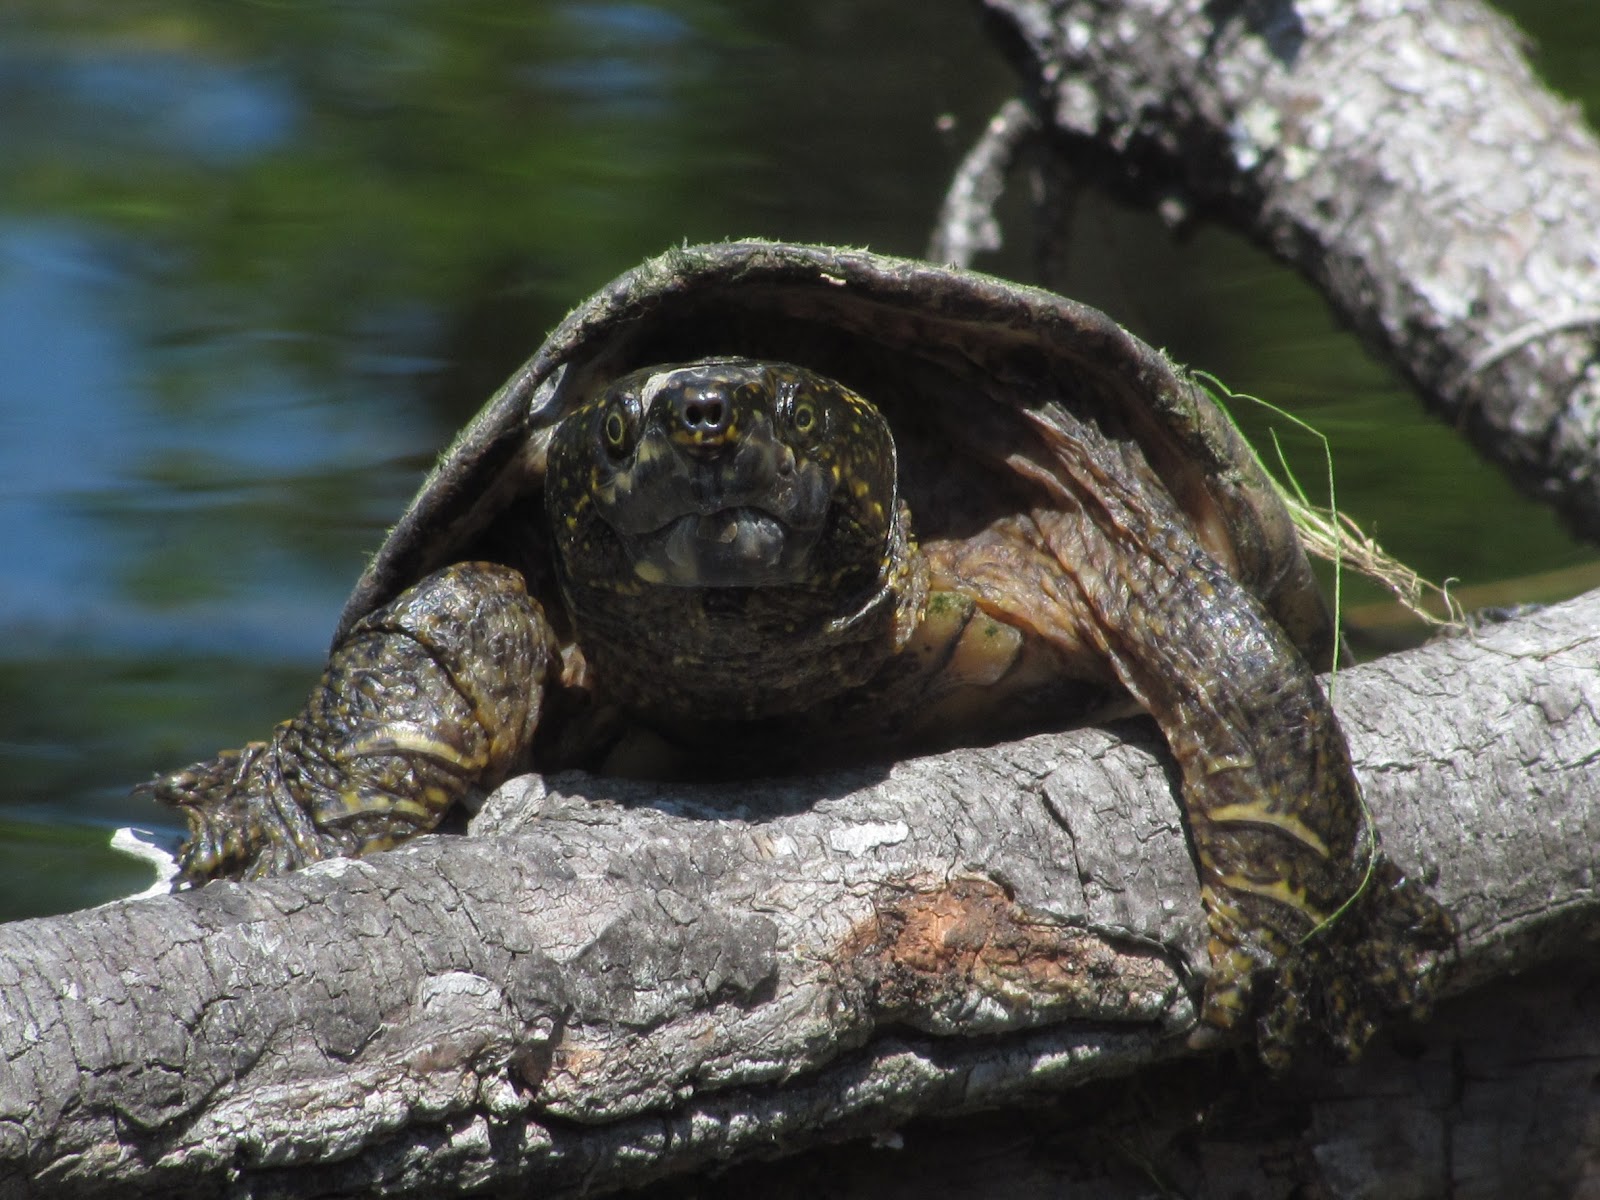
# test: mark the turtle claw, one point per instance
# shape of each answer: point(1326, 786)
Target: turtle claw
point(1331, 993)
point(243, 823)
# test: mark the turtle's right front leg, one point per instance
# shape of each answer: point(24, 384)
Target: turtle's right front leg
point(430, 698)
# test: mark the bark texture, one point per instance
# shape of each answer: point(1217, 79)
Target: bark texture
point(1399, 153)
point(1494, 1098)
point(611, 982)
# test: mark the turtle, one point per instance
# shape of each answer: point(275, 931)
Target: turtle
point(757, 506)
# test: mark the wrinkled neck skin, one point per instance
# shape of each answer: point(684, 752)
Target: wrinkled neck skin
point(685, 657)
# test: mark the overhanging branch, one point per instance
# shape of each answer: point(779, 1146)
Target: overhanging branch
point(1402, 156)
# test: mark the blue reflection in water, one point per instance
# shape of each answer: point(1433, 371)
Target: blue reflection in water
point(107, 685)
point(642, 24)
point(65, 421)
point(627, 67)
point(77, 419)
point(164, 101)
point(79, 430)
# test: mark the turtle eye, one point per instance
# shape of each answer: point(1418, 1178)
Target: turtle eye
point(614, 429)
point(804, 417)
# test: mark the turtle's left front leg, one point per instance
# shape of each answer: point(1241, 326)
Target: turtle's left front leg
point(1313, 934)
point(430, 698)
point(1296, 889)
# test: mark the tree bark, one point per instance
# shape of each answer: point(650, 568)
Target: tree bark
point(1399, 153)
point(1492, 1099)
point(611, 982)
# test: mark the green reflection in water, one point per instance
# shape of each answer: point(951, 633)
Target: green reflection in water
point(44, 865)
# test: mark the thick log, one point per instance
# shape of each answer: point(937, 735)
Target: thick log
point(1491, 1099)
point(608, 983)
point(1399, 153)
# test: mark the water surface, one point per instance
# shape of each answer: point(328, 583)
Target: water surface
point(257, 262)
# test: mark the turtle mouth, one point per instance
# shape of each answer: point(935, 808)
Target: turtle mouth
point(740, 546)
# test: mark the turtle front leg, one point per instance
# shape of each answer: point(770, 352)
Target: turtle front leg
point(1298, 895)
point(430, 698)
point(1313, 935)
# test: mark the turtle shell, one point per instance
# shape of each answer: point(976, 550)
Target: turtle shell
point(953, 358)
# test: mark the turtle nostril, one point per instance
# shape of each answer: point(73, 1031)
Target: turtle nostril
point(705, 415)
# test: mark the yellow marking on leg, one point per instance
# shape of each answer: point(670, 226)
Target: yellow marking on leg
point(416, 811)
point(357, 804)
point(407, 808)
point(1223, 915)
point(1231, 973)
point(1278, 890)
point(1239, 762)
point(1256, 813)
point(409, 738)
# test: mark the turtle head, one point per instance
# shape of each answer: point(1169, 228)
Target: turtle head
point(724, 503)
point(724, 473)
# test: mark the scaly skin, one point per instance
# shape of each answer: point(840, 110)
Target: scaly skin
point(735, 557)
point(1296, 890)
point(429, 699)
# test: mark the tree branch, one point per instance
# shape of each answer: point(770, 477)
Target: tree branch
point(967, 225)
point(1401, 155)
point(612, 981)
